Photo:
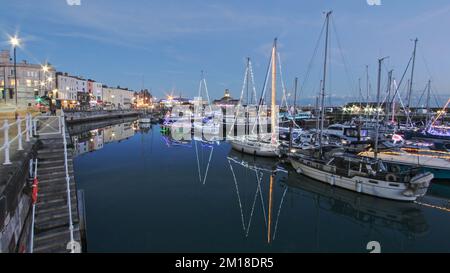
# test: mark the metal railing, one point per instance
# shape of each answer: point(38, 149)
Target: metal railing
point(6, 147)
point(73, 245)
point(40, 126)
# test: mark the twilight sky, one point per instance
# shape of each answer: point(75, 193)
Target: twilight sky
point(164, 45)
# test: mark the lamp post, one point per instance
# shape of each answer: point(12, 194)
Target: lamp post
point(15, 42)
point(45, 69)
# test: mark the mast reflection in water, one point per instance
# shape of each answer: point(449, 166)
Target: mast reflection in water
point(146, 192)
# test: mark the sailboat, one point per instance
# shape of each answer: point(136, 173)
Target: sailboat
point(337, 167)
point(262, 145)
point(206, 121)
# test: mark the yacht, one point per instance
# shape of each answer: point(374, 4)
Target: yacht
point(262, 145)
point(361, 174)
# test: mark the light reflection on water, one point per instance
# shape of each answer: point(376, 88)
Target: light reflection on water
point(148, 193)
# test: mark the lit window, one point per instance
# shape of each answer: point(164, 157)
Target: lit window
point(28, 83)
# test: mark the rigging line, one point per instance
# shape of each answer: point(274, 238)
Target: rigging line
point(278, 214)
point(401, 101)
point(252, 77)
point(238, 195)
point(421, 96)
point(207, 95)
point(426, 64)
point(263, 92)
point(311, 64)
point(435, 94)
point(254, 202)
point(240, 101)
point(346, 66)
point(283, 86)
point(207, 166)
point(260, 177)
point(401, 80)
point(198, 162)
point(262, 95)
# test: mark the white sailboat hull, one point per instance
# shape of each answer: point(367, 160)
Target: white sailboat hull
point(378, 188)
point(254, 148)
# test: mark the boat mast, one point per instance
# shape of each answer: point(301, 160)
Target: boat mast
point(388, 98)
point(318, 112)
point(412, 74)
point(322, 109)
point(294, 114)
point(377, 127)
point(367, 90)
point(274, 91)
point(428, 104)
point(247, 76)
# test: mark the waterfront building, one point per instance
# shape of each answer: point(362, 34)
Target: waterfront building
point(143, 98)
point(171, 101)
point(117, 97)
point(33, 81)
point(69, 89)
point(95, 89)
point(226, 100)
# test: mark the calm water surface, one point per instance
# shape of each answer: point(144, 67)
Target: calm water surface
point(146, 193)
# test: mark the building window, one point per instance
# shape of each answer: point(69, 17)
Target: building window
point(28, 83)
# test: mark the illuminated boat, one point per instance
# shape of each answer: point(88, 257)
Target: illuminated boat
point(259, 145)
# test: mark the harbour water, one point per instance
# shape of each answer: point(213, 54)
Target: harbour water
point(147, 193)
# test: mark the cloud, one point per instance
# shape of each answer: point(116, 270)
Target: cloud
point(421, 19)
point(140, 22)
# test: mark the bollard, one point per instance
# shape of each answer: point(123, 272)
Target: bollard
point(19, 134)
point(6, 145)
point(31, 125)
point(59, 125)
point(35, 127)
point(27, 128)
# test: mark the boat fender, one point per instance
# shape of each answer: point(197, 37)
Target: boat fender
point(332, 180)
point(359, 186)
point(299, 171)
point(391, 177)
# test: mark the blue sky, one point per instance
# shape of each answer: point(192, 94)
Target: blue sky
point(166, 44)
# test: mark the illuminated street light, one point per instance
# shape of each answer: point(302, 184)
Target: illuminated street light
point(15, 42)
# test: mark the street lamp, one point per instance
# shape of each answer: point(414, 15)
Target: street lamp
point(45, 69)
point(15, 42)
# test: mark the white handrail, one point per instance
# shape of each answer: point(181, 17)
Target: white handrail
point(19, 137)
point(72, 245)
